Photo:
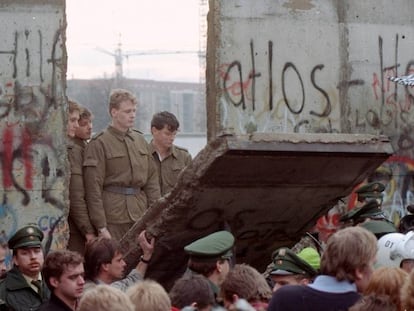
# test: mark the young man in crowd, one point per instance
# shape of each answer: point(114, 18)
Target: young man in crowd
point(120, 176)
point(104, 263)
point(192, 290)
point(169, 158)
point(245, 282)
point(346, 267)
point(23, 287)
point(63, 272)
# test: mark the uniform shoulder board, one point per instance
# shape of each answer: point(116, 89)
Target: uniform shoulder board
point(138, 131)
point(182, 149)
point(97, 135)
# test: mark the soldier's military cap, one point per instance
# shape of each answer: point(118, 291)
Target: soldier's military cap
point(370, 190)
point(28, 236)
point(379, 227)
point(286, 262)
point(212, 247)
point(370, 209)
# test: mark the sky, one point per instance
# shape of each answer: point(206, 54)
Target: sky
point(95, 27)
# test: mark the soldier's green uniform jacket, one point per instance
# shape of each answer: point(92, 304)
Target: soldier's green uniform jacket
point(79, 222)
point(16, 294)
point(170, 167)
point(121, 160)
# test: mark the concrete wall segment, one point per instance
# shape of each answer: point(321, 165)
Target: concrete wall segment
point(309, 66)
point(33, 167)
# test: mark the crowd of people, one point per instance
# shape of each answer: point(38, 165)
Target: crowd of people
point(116, 175)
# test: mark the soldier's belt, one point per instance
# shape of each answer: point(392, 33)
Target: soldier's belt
point(122, 190)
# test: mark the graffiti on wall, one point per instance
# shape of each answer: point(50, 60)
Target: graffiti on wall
point(304, 101)
point(32, 110)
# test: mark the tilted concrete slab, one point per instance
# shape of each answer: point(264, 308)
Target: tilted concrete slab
point(267, 189)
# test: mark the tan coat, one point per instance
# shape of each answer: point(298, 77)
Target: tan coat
point(170, 167)
point(113, 158)
point(79, 222)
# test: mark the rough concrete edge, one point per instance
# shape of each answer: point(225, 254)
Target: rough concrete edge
point(156, 219)
point(212, 87)
point(342, 138)
point(31, 3)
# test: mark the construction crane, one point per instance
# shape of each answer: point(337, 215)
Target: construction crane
point(119, 56)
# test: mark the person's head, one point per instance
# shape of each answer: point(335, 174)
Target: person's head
point(84, 131)
point(244, 282)
point(374, 303)
point(387, 282)
point(192, 290)
point(122, 109)
point(3, 267)
point(149, 295)
point(211, 255)
point(73, 118)
point(63, 273)
point(28, 255)
point(104, 260)
point(291, 269)
point(350, 254)
point(105, 298)
point(407, 293)
point(164, 127)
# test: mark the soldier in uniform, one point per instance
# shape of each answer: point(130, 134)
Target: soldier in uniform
point(80, 227)
point(169, 158)
point(210, 256)
point(294, 269)
point(121, 180)
point(23, 288)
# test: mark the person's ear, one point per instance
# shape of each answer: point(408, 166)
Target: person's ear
point(54, 281)
point(105, 267)
point(218, 266)
point(359, 274)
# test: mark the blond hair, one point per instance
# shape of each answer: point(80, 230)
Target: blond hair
point(105, 298)
point(73, 106)
point(117, 96)
point(149, 295)
point(346, 250)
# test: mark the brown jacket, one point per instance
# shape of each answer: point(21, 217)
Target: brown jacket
point(170, 167)
point(78, 212)
point(114, 158)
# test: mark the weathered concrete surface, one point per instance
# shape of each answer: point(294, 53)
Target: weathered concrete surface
point(268, 189)
point(33, 166)
point(311, 66)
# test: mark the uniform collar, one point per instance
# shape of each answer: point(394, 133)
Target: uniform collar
point(120, 135)
point(173, 150)
point(16, 280)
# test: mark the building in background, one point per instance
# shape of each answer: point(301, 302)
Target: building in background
point(185, 100)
